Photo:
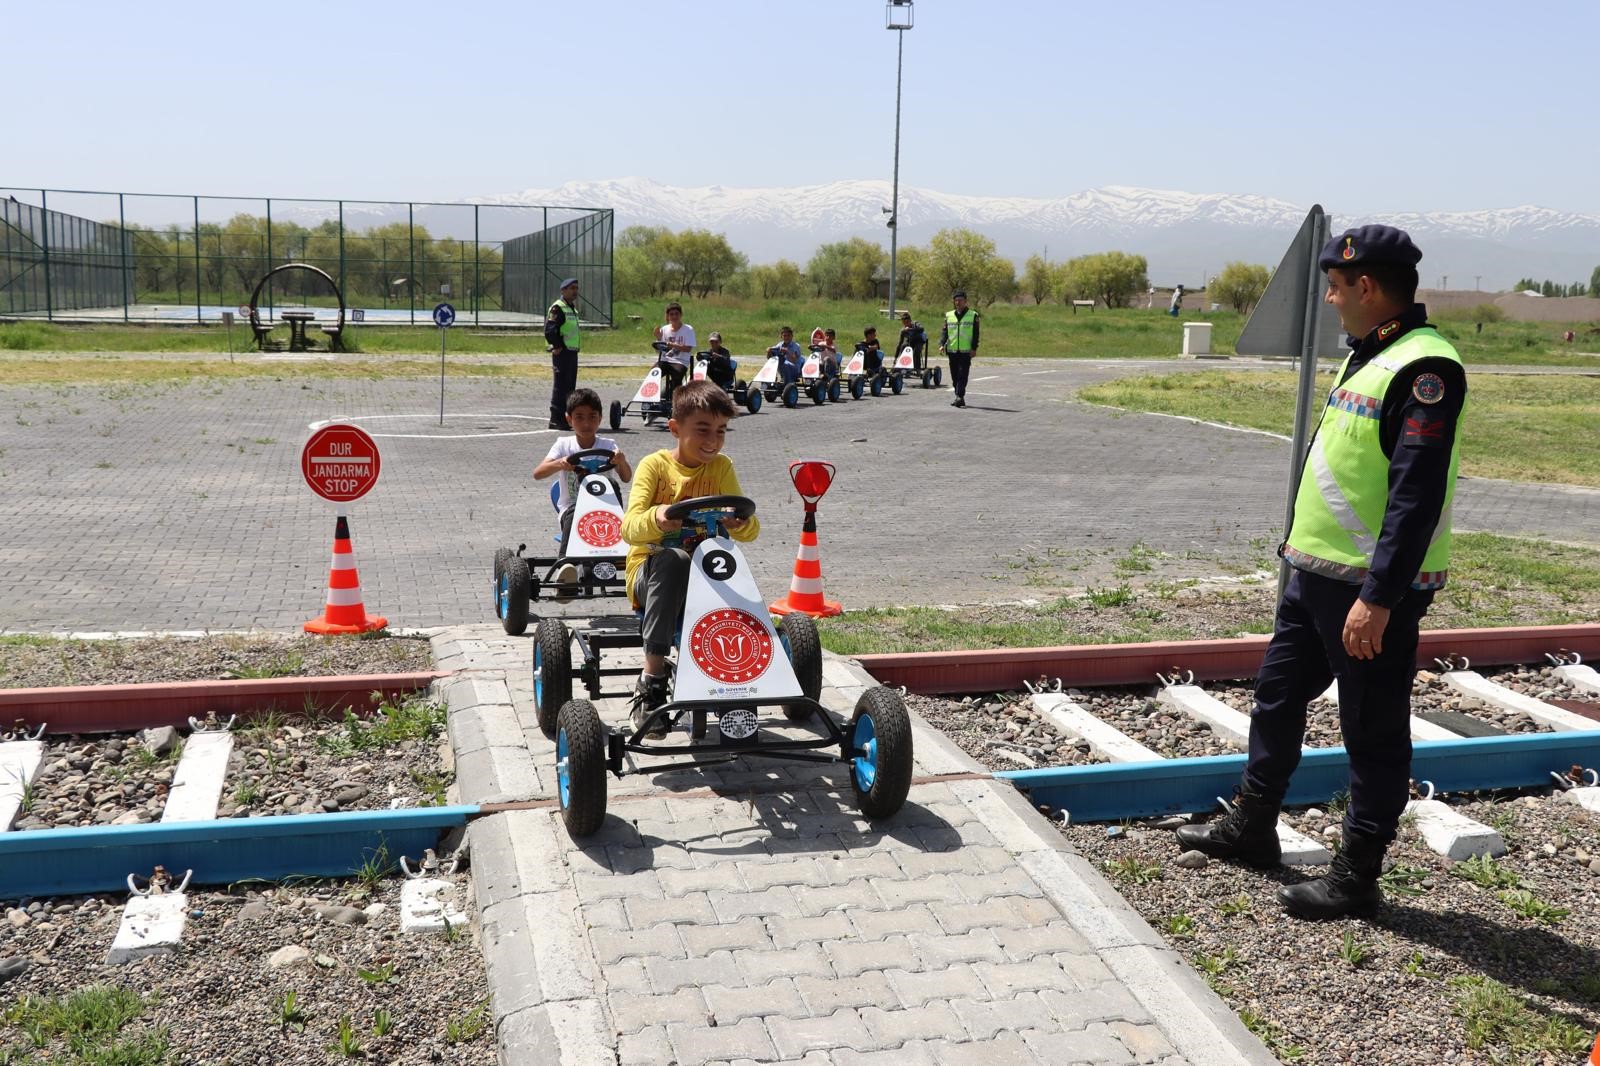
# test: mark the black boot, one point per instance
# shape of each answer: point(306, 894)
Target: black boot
point(1248, 832)
point(648, 694)
point(1349, 887)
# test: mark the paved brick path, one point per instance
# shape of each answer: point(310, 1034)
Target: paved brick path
point(751, 915)
point(181, 507)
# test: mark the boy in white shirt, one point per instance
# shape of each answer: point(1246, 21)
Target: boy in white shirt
point(583, 414)
point(680, 335)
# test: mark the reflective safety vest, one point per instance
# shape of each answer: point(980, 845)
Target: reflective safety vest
point(1344, 486)
point(571, 338)
point(958, 331)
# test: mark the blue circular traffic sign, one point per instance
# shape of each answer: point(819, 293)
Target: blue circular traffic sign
point(444, 316)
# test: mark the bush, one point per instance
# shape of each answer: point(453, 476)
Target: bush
point(29, 336)
point(1479, 313)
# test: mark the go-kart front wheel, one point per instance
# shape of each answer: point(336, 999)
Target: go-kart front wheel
point(819, 393)
point(791, 395)
point(927, 380)
point(616, 414)
point(877, 385)
point(798, 632)
point(501, 555)
point(752, 400)
point(552, 671)
point(857, 387)
point(898, 384)
point(515, 589)
point(938, 376)
point(834, 391)
point(878, 742)
point(581, 767)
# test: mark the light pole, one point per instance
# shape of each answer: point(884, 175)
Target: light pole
point(898, 17)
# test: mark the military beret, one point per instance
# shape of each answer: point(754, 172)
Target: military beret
point(568, 281)
point(959, 294)
point(1370, 246)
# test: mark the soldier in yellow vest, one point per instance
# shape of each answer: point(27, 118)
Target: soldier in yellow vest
point(1369, 545)
point(561, 334)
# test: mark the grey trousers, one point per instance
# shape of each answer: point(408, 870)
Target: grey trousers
point(662, 586)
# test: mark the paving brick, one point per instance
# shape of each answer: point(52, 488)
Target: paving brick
point(613, 886)
point(983, 1019)
point(778, 996)
point(1096, 1044)
point(875, 925)
point(814, 901)
point(605, 914)
point(1146, 1043)
point(892, 1028)
point(939, 888)
point(1012, 882)
point(851, 957)
point(612, 945)
point(951, 982)
point(1006, 1049)
point(810, 1058)
point(721, 878)
point(913, 1054)
point(632, 1013)
point(976, 946)
point(628, 976)
point(731, 906)
point(816, 846)
point(839, 869)
point(868, 839)
point(677, 910)
point(962, 917)
point(1054, 938)
point(759, 967)
point(669, 975)
point(789, 932)
point(648, 1047)
point(844, 1028)
point(1086, 968)
point(748, 933)
point(826, 995)
point(762, 875)
point(1032, 910)
point(702, 1043)
point(1109, 1002)
point(970, 859)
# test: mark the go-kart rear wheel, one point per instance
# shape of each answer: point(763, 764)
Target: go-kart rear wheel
point(616, 414)
point(819, 393)
point(799, 635)
point(897, 384)
point(516, 588)
point(938, 376)
point(857, 387)
point(752, 400)
point(834, 391)
point(581, 767)
point(927, 379)
point(500, 557)
point(791, 395)
point(552, 671)
point(877, 385)
point(879, 739)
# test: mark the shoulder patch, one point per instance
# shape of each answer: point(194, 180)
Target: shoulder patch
point(1428, 388)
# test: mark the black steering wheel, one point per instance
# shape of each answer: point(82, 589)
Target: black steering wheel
point(577, 458)
point(661, 346)
point(741, 506)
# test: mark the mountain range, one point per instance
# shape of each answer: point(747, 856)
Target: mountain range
point(1185, 236)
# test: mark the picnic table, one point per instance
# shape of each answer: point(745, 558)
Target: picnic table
point(297, 327)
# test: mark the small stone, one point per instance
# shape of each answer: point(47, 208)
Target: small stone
point(330, 805)
point(10, 968)
point(351, 795)
point(292, 955)
point(326, 962)
point(1193, 860)
point(159, 741)
point(1549, 851)
point(1332, 831)
point(1594, 866)
point(1313, 812)
point(253, 910)
point(342, 915)
point(18, 918)
point(1172, 822)
point(1016, 757)
point(375, 910)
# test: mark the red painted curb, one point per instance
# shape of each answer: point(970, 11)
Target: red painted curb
point(119, 708)
point(1005, 669)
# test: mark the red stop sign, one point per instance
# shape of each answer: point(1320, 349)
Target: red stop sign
point(340, 463)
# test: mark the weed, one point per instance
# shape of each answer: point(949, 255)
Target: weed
point(1179, 927)
point(1404, 880)
point(1216, 965)
point(266, 440)
point(382, 1022)
point(469, 1026)
point(434, 786)
point(1270, 1033)
point(1120, 596)
point(288, 665)
point(1338, 803)
point(1238, 905)
point(1353, 951)
point(452, 932)
point(1134, 870)
point(1496, 1017)
point(89, 1021)
point(381, 974)
point(290, 1015)
point(1531, 906)
point(1504, 822)
point(1484, 872)
point(1413, 968)
point(346, 1044)
point(374, 868)
point(248, 794)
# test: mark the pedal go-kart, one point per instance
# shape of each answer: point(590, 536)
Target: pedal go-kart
point(905, 366)
point(596, 549)
point(769, 381)
point(861, 379)
point(733, 666)
point(654, 398)
point(743, 395)
point(816, 380)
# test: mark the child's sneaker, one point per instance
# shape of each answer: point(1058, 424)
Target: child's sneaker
point(566, 582)
point(648, 694)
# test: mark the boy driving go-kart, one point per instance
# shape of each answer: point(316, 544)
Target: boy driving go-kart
point(718, 366)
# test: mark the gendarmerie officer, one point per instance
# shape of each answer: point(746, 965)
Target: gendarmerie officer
point(1369, 545)
point(561, 333)
point(959, 342)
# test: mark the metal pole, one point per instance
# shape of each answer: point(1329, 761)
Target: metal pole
point(477, 282)
point(271, 313)
point(199, 318)
point(343, 292)
point(1307, 384)
point(894, 202)
point(442, 332)
point(44, 229)
point(122, 224)
point(411, 272)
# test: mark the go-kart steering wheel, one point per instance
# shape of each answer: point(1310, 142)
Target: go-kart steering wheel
point(661, 346)
point(577, 459)
point(741, 506)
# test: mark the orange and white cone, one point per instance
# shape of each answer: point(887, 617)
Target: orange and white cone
point(805, 588)
point(1594, 1056)
point(344, 612)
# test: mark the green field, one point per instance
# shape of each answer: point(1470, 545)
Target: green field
point(749, 326)
point(1520, 427)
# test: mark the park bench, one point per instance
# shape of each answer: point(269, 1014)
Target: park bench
point(1082, 303)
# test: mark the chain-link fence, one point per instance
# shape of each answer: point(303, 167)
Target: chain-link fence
point(69, 255)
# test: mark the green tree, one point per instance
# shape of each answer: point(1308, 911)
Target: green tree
point(1594, 282)
point(1038, 278)
point(654, 265)
point(777, 281)
point(704, 260)
point(844, 270)
point(1110, 277)
point(1239, 285)
point(963, 259)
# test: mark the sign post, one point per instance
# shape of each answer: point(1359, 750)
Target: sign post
point(340, 462)
point(444, 316)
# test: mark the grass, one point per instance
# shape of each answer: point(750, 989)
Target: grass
point(1519, 427)
point(1530, 906)
point(1352, 951)
point(1179, 927)
point(85, 1028)
point(469, 1026)
point(1485, 872)
point(1499, 1019)
point(1134, 870)
point(413, 718)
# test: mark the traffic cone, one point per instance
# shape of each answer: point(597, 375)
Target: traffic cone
point(1594, 1056)
point(805, 588)
point(344, 612)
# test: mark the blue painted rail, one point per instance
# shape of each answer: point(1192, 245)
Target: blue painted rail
point(54, 862)
point(1115, 791)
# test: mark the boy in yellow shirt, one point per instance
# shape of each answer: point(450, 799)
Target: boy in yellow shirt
point(658, 556)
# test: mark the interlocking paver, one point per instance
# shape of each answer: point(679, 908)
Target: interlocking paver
point(788, 932)
point(693, 910)
point(875, 925)
point(648, 1047)
point(634, 1012)
point(1048, 939)
point(1147, 1043)
point(713, 878)
point(731, 906)
point(1005, 1049)
point(815, 901)
point(759, 967)
point(669, 975)
point(778, 996)
point(825, 995)
point(912, 1054)
point(978, 945)
point(957, 918)
point(769, 874)
point(612, 945)
point(936, 888)
point(1097, 1044)
point(851, 957)
point(895, 1027)
point(702, 1043)
point(983, 1019)
point(745, 934)
point(949, 982)
point(1102, 1003)
point(1010, 882)
point(843, 1028)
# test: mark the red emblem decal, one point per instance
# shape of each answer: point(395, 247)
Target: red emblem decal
point(731, 646)
point(1385, 330)
point(650, 389)
point(600, 528)
point(1423, 431)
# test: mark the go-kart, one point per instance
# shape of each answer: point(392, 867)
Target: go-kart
point(861, 378)
point(654, 398)
point(595, 549)
point(769, 380)
point(731, 665)
point(820, 381)
point(742, 394)
point(905, 366)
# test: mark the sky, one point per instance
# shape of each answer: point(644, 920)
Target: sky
point(1416, 105)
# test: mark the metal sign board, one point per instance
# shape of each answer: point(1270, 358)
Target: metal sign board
point(340, 463)
point(1277, 325)
point(444, 316)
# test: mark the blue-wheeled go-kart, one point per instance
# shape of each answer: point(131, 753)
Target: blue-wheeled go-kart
point(733, 677)
point(594, 550)
point(653, 399)
point(820, 379)
point(769, 380)
point(723, 372)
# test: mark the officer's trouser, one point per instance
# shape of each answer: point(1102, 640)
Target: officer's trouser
point(1306, 653)
point(565, 372)
point(960, 366)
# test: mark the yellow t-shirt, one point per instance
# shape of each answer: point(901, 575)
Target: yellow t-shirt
point(661, 479)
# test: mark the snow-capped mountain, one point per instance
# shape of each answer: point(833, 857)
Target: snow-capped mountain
point(1185, 236)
